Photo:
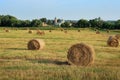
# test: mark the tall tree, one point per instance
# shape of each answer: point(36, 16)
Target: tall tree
point(83, 23)
point(36, 23)
point(97, 22)
point(117, 24)
point(44, 20)
point(66, 24)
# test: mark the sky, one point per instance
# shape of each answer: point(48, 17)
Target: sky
point(63, 9)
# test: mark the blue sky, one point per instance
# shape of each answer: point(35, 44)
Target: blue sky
point(64, 9)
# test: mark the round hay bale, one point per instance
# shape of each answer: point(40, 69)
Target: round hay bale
point(38, 32)
point(95, 29)
point(117, 36)
point(62, 29)
point(78, 30)
point(108, 31)
point(97, 32)
point(50, 30)
point(65, 31)
point(112, 41)
point(30, 31)
point(81, 55)
point(35, 44)
point(7, 30)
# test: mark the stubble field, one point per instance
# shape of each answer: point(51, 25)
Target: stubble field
point(50, 63)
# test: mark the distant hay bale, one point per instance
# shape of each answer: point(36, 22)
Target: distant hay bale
point(62, 29)
point(78, 30)
point(7, 30)
point(30, 31)
point(50, 30)
point(112, 41)
point(81, 55)
point(117, 36)
point(95, 29)
point(65, 31)
point(108, 31)
point(40, 32)
point(35, 44)
point(97, 32)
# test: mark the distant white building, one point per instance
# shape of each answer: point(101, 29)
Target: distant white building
point(58, 23)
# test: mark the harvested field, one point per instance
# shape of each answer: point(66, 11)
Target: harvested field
point(50, 63)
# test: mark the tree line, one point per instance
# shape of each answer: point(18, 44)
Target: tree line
point(11, 21)
point(97, 23)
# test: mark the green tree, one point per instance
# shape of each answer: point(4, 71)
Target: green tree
point(82, 23)
point(7, 20)
point(36, 23)
point(108, 25)
point(44, 20)
point(66, 24)
point(50, 22)
point(97, 23)
point(117, 24)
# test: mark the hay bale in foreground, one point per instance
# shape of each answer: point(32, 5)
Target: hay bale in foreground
point(81, 55)
point(35, 44)
point(117, 36)
point(112, 41)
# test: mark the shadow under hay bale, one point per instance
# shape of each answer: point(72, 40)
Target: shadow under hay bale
point(117, 36)
point(48, 61)
point(112, 41)
point(35, 44)
point(81, 55)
